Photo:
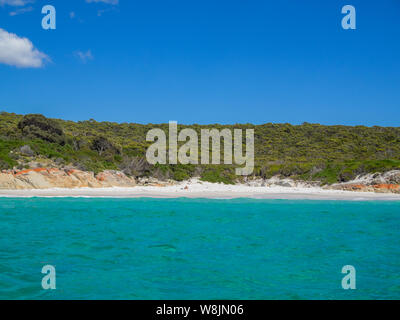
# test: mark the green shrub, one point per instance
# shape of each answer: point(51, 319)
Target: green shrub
point(38, 126)
point(217, 175)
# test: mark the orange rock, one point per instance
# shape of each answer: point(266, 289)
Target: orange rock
point(71, 171)
point(112, 178)
point(31, 170)
point(387, 186)
point(159, 185)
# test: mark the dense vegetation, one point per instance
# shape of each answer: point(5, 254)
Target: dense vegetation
point(308, 151)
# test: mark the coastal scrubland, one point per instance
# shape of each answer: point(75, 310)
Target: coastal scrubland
point(308, 151)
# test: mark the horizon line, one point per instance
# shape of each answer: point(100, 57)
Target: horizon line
point(208, 124)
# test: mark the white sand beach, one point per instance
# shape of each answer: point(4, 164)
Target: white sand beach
point(197, 189)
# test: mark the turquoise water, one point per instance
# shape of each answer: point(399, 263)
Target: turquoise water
point(198, 249)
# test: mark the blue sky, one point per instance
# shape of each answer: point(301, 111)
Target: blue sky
point(209, 61)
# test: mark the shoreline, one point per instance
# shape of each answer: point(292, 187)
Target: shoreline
point(53, 182)
point(203, 190)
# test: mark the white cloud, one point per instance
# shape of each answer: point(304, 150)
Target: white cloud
point(16, 3)
point(101, 12)
point(21, 11)
point(84, 56)
point(19, 52)
point(113, 2)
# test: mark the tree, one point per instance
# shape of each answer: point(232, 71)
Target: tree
point(102, 145)
point(38, 126)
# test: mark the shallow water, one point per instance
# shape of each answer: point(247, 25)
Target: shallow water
point(198, 249)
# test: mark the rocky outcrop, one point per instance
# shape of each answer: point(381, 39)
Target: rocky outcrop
point(278, 181)
point(112, 178)
point(8, 181)
point(46, 178)
point(153, 182)
point(388, 182)
point(27, 151)
point(378, 188)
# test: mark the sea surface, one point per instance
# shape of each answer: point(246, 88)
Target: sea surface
point(198, 248)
